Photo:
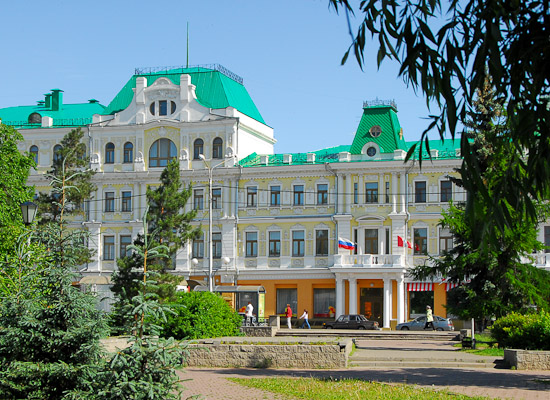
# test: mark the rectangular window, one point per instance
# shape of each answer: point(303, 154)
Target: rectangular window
point(324, 303)
point(298, 243)
point(420, 192)
point(275, 195)
point(355, 236)
point(287, 296)
point(126, 201)
point(445, 240)
point(198, 247)
point(322, 194)
point(217, 244)
point(356, 193)
point(109, 201)
point(371, 241)
point(216, 199)
point(251, 196)
point(198, 199)
point(388, 241)
point(420, 241)
point(547, 238)
point(371, 192)
point(298, 195)
point(275, 244)
point(125, 241)
point(446, 191)
point(387, 192)
point(252, 244)
point(321, 242)
point(108, 248)
point(163, 107)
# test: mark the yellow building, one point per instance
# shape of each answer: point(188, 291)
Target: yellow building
point(272, 222)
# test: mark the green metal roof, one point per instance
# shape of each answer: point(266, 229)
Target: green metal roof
point(323, 156)
point(385, 116)
point(214, 90)
point(446, 149)
point(69, 115)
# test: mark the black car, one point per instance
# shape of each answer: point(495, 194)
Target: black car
point(352, 321)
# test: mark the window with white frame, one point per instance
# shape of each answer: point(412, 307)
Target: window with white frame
point(251, 244)
point(420, 241)
point(217, 244)
point(198, 247)
point(298, 243)
point(371, 192)
point(322, 193)
point(445, 240)
point(371, 241)
point(547, 238)
point(109, 201)
point(387, 192)
point(275, 195)
point(161, 152)
point(108, 248)
point(128, 153)
point(125, 241)
point(420, 192)
point(198, 149)
point(446, 191)
point(355, 193)
point(198, 199)
point(126, 201)
point(321, 242)
point(298, 195)
point(252, 196)
point(109, 153)
point(34, 153)
point(216, 198)
point(274, 244)
point(217, 148)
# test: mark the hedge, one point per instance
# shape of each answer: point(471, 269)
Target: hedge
point(523, 331)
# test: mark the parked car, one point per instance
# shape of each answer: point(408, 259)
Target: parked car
point(351, 321)
point(417, 324)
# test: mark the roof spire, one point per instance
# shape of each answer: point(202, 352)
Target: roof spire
point(187, 64)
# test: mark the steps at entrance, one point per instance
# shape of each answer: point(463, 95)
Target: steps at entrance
point(420, 362)
point(371, 335)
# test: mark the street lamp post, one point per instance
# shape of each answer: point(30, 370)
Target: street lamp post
point(210, 255)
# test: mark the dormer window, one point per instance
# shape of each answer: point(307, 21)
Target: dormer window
point(160, 107)
point(35, 118)
point(375, 131)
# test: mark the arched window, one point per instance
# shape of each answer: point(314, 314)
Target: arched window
point(217, 148)
point(128, 152)
point(161, 152)
point(198, 148)
point(109, 153)
point(34, 153)
point(56, 153)
point(35, 118)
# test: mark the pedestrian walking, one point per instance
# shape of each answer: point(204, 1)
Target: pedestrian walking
point(305, 317)
point(429, 318)
point(249, 313)
point(288, 314)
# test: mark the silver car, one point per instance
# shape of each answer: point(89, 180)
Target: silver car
point(417, 324)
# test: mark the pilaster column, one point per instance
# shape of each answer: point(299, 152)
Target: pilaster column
point(349, 194)
point(394, 192)
point(341, 196)
point(360, 240)
point(226, 198)
point(402, 190)
point(353, 295)
point(340, 296)
point(400, 299)
point(387, 302)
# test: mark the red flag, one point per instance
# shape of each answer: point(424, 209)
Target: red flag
point(416, 247)
point(409, 245)
point(399, 241)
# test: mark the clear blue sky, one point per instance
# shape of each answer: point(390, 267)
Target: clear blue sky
point(287, 51)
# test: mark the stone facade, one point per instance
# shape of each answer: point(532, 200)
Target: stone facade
point(527, 359)
point(274, 354)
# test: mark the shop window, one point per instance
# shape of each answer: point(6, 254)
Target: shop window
point(419, 301)
point(324, 303)
point(287, 296)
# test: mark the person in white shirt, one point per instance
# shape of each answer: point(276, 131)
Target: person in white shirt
point(305, 317)
point(249, 312)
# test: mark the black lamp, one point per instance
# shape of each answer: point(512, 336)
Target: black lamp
point(28, 209)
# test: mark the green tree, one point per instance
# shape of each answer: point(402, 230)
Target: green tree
point(445, 49)
point(14, 191)
point(50, 332)
point(494, 278)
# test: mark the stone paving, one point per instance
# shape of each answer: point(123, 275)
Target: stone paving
point(212, 384)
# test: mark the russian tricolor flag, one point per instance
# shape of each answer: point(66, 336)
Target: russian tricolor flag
point(346, 244)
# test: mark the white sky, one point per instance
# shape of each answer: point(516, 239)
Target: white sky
point(288, 53)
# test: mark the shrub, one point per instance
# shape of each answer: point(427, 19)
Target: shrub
point(530, 331)
point(200, 315)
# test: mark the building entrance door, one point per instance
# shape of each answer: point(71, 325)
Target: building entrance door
point(372, 304)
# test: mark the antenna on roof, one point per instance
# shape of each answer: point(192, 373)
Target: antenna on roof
point(187, 64)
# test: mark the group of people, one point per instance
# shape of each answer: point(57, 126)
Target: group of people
point(305, 317)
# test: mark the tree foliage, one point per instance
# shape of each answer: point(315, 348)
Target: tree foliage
point(495, 279)
point(14, 191)
point(445, 49)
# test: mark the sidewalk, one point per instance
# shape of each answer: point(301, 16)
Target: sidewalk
point(493, 383)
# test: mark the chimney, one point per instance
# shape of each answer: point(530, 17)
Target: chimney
point(48, 102)
point(57, 99)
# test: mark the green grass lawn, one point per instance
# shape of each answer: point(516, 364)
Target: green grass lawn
point(483, 349)
point(345, 389)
